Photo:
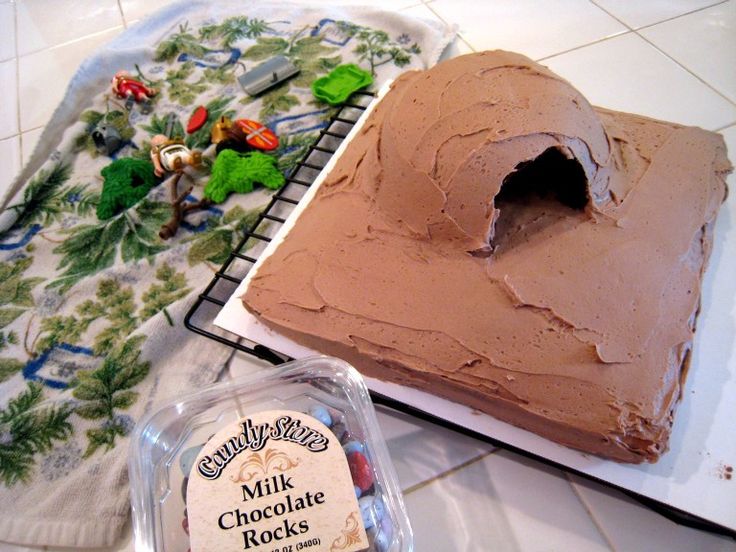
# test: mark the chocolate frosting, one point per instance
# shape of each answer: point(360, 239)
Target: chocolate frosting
point(490, 237)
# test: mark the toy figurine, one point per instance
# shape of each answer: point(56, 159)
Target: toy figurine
point(220, 130)
point(337, 86)
point(132, 90)
point(170, 155)
point(235, 135)
point(222, 136)
point(126, 182)
point(106, 138)
point(256, 134)
point(233, 172)
point(269, 73)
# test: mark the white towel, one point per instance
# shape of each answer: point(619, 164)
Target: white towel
point(91, 312)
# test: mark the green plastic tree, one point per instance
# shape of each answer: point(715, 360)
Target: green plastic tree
point(127, 181)
point(236, 172)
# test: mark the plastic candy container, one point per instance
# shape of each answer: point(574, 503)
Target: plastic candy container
point(288, 458)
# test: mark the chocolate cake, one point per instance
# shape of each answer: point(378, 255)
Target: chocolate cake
point(491, 238)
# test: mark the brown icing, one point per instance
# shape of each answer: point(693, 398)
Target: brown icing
point(558, 295)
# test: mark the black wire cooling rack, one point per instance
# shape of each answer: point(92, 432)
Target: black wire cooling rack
point(202, 314)
point(200, 317)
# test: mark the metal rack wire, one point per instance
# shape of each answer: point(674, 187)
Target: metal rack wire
point(201, 315)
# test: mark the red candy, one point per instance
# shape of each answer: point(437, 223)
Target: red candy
point(361, 471)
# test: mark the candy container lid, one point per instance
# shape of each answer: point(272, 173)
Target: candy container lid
point(285, 458)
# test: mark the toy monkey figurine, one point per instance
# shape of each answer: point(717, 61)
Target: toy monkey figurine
point(173, 156)
point(170, 155)
point(132, 90)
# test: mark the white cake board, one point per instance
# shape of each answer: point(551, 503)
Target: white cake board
point(691, 477)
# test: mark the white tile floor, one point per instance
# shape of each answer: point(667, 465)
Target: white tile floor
point(671, 59)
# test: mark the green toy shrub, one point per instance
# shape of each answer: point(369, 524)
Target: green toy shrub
point(239, 172)
point(127, 181)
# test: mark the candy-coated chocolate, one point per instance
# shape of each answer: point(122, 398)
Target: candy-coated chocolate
point(320, 412)
point(361, 470)
point(358, 492)
point(187, 458)
point(353, 446)
point(352, 435)
point(382, 540)
point(368, 512)
point(337, 416)
point(339, 430)
point(379, 507)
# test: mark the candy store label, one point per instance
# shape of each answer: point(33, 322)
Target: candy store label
point(274, 481)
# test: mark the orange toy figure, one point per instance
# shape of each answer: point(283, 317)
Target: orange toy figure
point(132, 90)
point(170, 155)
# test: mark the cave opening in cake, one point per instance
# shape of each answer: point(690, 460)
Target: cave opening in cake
point(536, 194)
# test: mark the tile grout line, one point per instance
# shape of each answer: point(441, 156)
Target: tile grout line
point(460, 37)
point(661, 51)
point(594, 42)
point(410, 6)
point(17, 85)
point(74, 40)
point(449, 472)
point(122, 14)
point(472, 48)
point(701, 79)
point(587, 508)
point(724, 127)
point(648, 25)
point(609, 14)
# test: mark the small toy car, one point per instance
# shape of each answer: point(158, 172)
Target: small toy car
point(269, 73)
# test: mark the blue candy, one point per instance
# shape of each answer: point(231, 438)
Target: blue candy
point(339, 430)
point(187, 458)
point(379, 508)
point(382, 540)
point(320, 412)
point(367, 512)
point(353, 446)
point(358, 492)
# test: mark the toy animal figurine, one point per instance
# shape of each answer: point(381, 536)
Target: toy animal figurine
point(242, 135)
point(132, 91)
point(106, 138)
point(170, 155)
point(222, 136)
point(220, 130)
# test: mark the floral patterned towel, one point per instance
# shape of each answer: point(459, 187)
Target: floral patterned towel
point(91, 334)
